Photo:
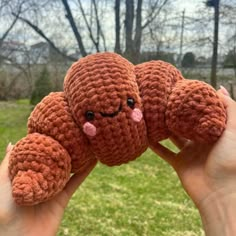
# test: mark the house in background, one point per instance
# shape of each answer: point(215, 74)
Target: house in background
point(14, 52)
point(39, 53)
point(44, 53)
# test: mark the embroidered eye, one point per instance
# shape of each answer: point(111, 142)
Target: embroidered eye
point(89, 115)
point(130, 102)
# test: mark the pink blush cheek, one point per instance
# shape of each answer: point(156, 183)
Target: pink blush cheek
point(137, 115)
point(89, 129)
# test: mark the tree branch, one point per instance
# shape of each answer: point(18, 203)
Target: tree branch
point(103, 39)
point(97, 21)
point(152, 16)
point(88, 26)
point(40, 32)
point(71, 20)
point(10, 27)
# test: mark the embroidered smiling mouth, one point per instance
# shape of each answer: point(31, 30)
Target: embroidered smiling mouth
point(112, 114)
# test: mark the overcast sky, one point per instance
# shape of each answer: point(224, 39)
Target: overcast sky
point(190, 7)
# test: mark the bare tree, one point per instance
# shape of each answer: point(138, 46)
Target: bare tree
point(215, 4)
point(8, 49)
point(129, 19)
point(92, 23)
point(134, 14)
point(138, 29)
point(70, 18)
point(117, 27)
point(6, 7)
point(42, 34)
point(5, 34)
point(96, 34)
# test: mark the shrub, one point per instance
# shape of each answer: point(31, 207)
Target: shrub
point(42, 87)
point(188, 60)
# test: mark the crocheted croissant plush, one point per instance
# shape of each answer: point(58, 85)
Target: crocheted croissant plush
point(111, 111)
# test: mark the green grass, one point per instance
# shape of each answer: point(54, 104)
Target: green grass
point(13, 119)
point(142, 198)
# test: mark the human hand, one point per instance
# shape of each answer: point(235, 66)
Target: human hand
point(208, 174)
point(42, 219)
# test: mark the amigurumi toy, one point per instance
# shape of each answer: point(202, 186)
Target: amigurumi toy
point(110, 111)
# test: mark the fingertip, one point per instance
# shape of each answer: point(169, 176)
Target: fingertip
point(224, 91)
point(5, 161)
point(230, 106)
point(225, 96)
point(9, 147)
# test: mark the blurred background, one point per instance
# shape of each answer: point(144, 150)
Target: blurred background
point(39, 40)
point(42, 38)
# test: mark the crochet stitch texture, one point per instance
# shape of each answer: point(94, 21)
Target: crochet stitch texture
point(111, 111)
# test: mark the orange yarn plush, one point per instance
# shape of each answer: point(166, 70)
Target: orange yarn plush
point(110, 111)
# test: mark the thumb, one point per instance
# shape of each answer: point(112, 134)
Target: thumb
point(77, 179)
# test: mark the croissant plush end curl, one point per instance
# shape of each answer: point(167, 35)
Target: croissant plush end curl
point(111, 111)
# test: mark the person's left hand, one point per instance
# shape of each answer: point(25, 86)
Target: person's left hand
point(42, 219)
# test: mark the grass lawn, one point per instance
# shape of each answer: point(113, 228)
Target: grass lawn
point(142, 198)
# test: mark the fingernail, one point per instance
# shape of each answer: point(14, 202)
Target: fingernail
point(9, 147)
point(224, 91)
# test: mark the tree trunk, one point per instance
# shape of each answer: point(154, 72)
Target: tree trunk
point(138, 31)
point(117, 26)
point(129, 20)
point(215, 45)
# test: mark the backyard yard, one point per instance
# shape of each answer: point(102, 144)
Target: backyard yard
point(142, 198)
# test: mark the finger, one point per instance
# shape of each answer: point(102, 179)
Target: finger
point(164, 153)
point(9, 147)
point(223, 91)
point(230, 107)
point(179, 142)
point(7, 205)
point(4, 163)
point(77, 179)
